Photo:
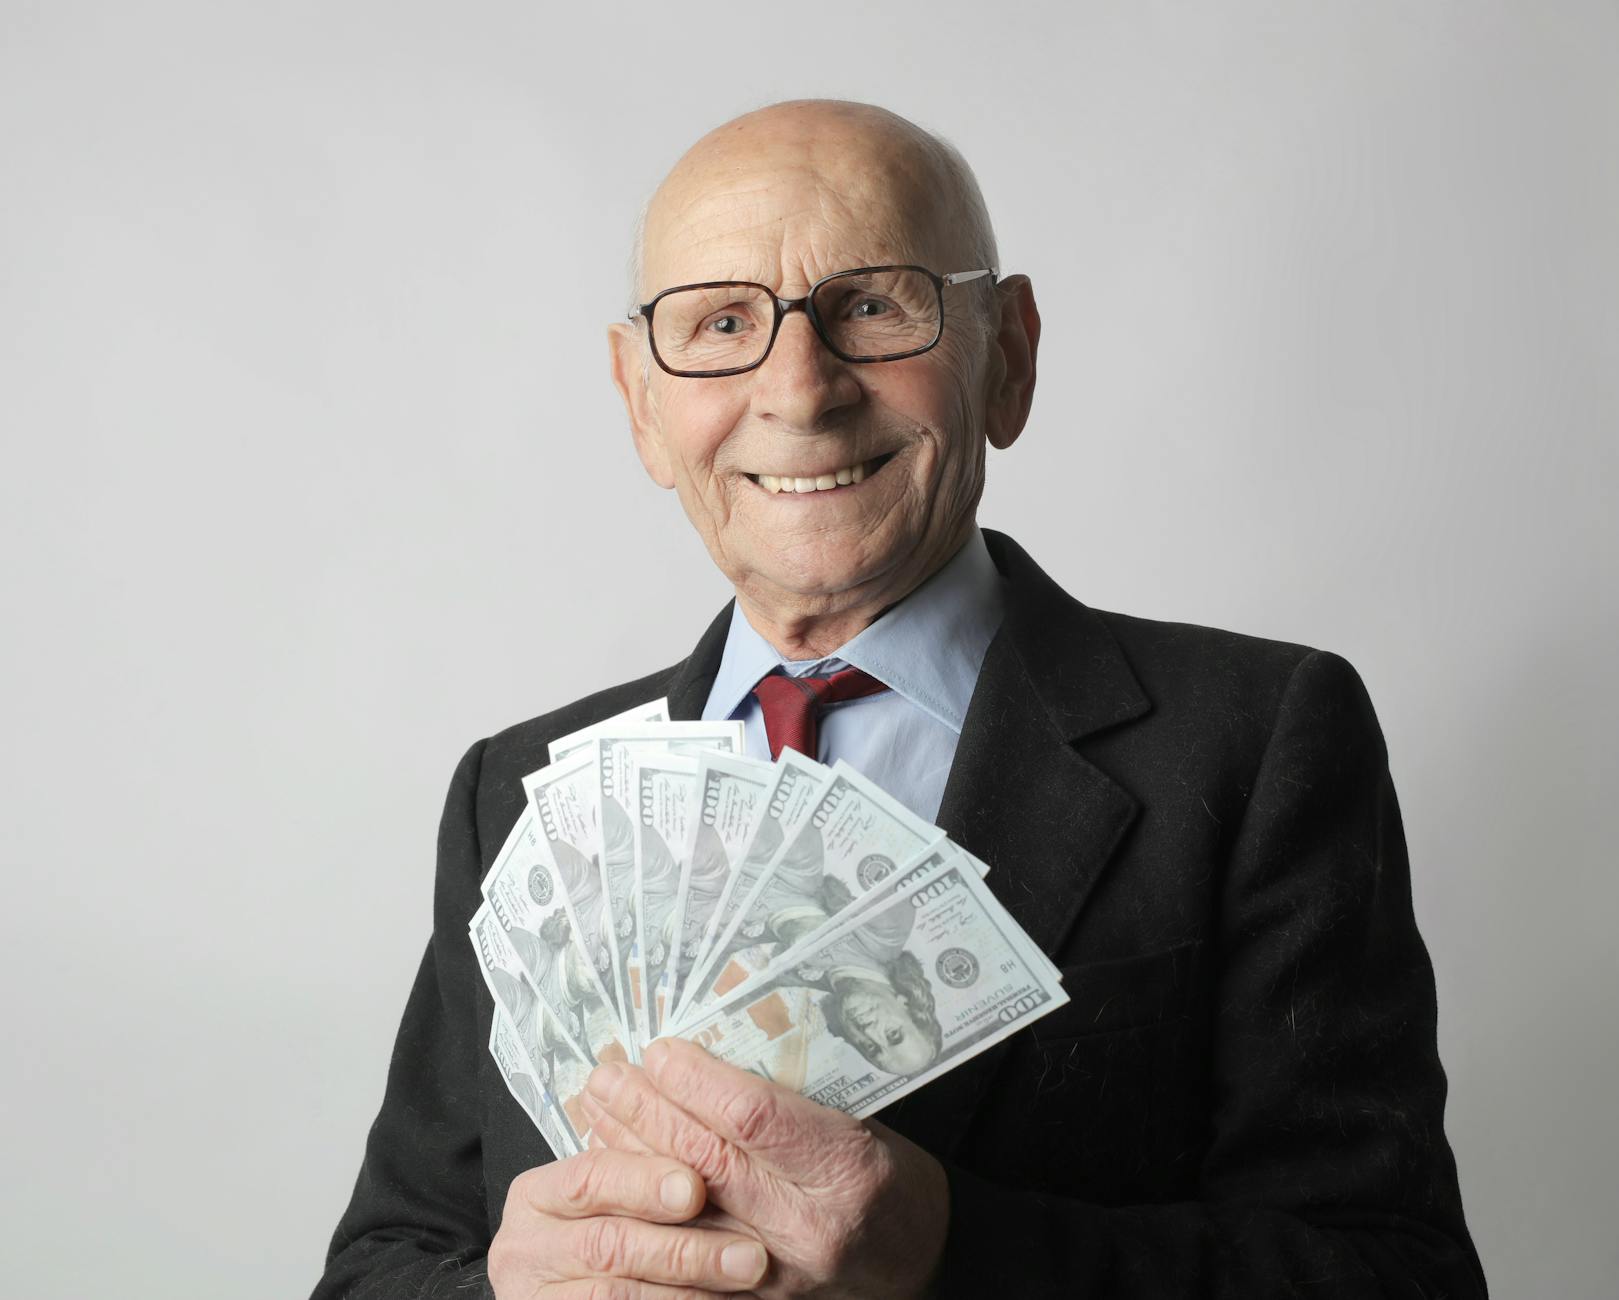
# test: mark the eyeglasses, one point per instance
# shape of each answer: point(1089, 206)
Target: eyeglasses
point(727, 327)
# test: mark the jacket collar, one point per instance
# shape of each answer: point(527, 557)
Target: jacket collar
point(1073, 664)
point(693, 677)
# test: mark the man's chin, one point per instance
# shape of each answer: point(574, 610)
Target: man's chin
point(818, 573)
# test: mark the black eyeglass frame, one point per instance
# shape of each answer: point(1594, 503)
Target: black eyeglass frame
point(806, 304)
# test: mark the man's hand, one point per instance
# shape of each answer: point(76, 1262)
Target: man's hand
point(845, 1208)
point(611, 1214)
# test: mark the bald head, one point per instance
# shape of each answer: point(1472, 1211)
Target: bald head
point(847, 160)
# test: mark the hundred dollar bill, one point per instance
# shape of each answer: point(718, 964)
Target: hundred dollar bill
point(612, 751)
point(524, 1083)
point(948, 850)
point(883, 1005)
point(563, 746)
point(1036, 954)
point(795, 784)
point(853, 839)
point(553, 1053)
point(661, 788)
point(559, 874)
point(800, 935)
point(565, 1071)
point(729, 790)
point(522, 895)
point(503, 974)
point(925, 864)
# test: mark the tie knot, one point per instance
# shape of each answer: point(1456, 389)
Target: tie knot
point(791, 705)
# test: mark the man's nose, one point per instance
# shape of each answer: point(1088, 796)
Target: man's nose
point(801, 382)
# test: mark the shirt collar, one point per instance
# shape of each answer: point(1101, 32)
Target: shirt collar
point(927, 649)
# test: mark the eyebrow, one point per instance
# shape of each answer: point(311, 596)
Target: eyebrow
point(851, 265)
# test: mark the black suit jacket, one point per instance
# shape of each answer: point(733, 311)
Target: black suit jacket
point(1242, 1097)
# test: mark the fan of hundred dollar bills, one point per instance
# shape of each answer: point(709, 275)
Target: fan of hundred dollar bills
point(793, 919)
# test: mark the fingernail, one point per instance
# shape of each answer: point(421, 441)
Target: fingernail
point(675, 1191)
point(742, 1261)
point(654, 1052)
point(603, 1079)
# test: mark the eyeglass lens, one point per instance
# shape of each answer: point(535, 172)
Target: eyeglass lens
point(869, 315)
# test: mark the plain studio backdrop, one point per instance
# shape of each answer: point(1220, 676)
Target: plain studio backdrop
point(313, 475)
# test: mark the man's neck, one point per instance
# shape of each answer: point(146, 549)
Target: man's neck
point(800, 630)
point(809, 638)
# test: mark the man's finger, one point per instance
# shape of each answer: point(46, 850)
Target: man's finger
point(603, 1181)
point(613, 1133)
point(628, 1097)
point(757, 1116)
point(623, 1288)
point(618, 1247)
point(605, 1131)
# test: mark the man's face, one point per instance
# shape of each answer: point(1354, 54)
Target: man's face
point(784, 212)
point(879, 1025)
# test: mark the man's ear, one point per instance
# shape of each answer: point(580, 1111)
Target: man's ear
point(1018, 341)
point(630, 378)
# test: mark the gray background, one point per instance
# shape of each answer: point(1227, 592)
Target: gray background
point(313, 475)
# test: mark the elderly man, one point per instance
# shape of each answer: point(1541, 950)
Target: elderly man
point(1242, 1097)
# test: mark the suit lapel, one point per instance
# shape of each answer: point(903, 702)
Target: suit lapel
point(1021, 797)
point(693, 677)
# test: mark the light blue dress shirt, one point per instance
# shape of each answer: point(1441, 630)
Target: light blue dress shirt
point(927, 649)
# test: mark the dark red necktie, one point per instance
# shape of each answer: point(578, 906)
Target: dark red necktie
point(792, 705)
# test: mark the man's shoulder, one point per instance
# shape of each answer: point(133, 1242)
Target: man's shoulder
point(1080, 646)
point(1227, 691)
point(1170, 652)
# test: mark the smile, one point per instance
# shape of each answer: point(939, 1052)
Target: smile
point(845, 477)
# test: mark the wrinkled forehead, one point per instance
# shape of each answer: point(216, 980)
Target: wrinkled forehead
point(785, 221)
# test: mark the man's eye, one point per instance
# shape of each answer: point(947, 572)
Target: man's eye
point(727, 325)
point(867, 308)
point(896, 1037)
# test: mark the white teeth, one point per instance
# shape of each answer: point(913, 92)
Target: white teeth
point(819, 483)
